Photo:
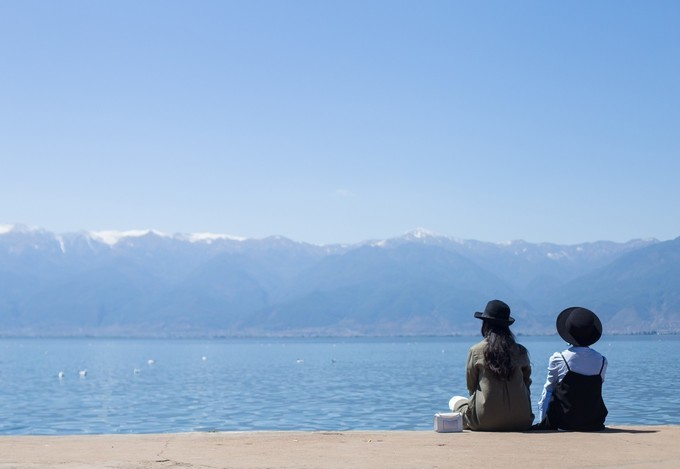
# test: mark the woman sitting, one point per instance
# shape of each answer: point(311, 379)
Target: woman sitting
point(498, 375)
point(572, 394)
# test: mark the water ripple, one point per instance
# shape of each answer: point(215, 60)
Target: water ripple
point(319, 384)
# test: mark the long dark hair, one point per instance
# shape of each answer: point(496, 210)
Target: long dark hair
point(498, 353)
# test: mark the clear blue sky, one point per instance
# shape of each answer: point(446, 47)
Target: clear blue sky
point(343, 121)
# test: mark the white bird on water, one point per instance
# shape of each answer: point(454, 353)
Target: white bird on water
point(150, 361)
point(61, 375)
point(82, 373)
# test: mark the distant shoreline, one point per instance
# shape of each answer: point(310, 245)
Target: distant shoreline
point(6, 335)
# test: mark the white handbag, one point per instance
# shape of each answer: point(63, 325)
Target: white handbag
point(448, 422)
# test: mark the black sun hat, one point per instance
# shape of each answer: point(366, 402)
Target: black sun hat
point(579, 326)
point(496, 312)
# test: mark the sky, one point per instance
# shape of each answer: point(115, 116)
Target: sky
point(343, 121)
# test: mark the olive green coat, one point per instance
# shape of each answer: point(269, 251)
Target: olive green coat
point(496, 404)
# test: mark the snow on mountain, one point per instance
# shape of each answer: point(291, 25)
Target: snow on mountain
point(114, 237)
point(420, 233)
point(208, 237)
point(19, 228)
point(423, 234)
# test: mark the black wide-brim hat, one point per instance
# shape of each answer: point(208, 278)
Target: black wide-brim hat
point(496, 312)
point(579, 326)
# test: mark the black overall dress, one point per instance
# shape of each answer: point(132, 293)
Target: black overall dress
point(576, 403)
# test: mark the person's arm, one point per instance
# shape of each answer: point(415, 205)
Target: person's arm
point(526, 370)
point(471, 373)
point(554, 365)
point(526, 375)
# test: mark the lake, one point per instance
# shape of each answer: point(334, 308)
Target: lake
point(150, 386)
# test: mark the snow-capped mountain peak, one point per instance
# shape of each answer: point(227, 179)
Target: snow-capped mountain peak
point(112, 238)
point(208, 237)
point(421, 233)
point(18, 228)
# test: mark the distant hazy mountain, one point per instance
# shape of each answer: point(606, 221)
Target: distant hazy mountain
point(639, 290)
point(145, 283)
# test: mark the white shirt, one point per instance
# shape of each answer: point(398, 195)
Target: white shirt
point(582, 360)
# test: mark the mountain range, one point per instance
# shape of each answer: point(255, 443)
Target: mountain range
point(150, 284)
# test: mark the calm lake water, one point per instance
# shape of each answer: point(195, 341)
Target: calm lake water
point(288, 384)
